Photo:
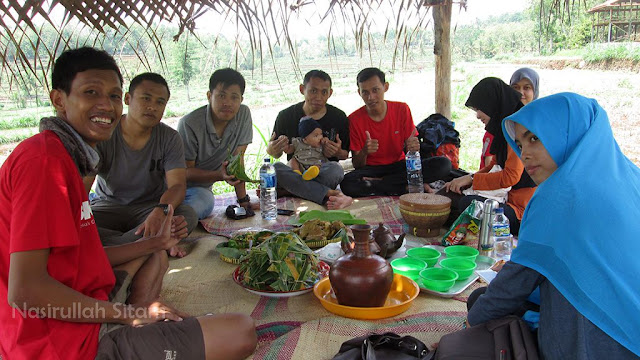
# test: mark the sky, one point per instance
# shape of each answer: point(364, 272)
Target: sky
point(476, 10)
point(211, 22)
point(482, 9)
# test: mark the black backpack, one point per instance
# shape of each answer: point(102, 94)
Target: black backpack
point(435, 131)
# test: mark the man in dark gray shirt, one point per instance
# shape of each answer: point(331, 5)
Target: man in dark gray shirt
point(212, 132)
point(141, 171)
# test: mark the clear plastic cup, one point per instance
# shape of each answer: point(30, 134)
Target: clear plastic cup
point(502, 247)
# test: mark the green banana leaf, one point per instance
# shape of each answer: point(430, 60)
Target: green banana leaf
point(231, 252)
point(327, 215)
point(281, 263)
point(236, 168)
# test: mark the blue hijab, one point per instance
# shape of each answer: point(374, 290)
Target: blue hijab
point(529, 74)
point(580, 229)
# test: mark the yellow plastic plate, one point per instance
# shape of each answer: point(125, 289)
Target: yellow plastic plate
point(403, 291)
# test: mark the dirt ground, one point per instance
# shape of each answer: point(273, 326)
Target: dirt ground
point(617, 91)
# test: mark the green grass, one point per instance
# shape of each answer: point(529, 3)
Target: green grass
point(13, 117)
point(18, 123)
point(569, 53)
point(16, 135)
point(605, 52)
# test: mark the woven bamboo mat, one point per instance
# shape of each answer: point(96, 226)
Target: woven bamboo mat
point(296, 327)
point(374, 209)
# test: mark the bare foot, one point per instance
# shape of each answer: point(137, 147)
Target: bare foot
point(339, 201)
point(367, 178)
point(176, 252)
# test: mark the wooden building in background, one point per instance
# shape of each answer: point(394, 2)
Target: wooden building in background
point(616, 20)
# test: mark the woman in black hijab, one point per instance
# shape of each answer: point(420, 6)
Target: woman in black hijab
point(493, 100)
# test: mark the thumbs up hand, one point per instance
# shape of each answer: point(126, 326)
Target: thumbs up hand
point(371, 145)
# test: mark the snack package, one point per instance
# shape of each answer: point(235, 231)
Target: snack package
point(467, 223)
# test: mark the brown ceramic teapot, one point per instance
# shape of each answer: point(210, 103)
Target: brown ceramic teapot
point(386, 240)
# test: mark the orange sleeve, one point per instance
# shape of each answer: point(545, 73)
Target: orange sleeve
point(509, 176)
point(488, 167)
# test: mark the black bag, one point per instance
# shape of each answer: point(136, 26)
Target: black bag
point(509, 336)
point(435, 131)
point(388, 346)
point(235, 212)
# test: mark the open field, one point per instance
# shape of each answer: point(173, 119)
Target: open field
point(617, 91)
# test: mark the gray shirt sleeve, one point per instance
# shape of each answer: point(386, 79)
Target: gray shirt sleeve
point(506, 293)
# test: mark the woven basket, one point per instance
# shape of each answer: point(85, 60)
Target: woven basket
point(423, 233)
point(315, 244)
point(425, 211)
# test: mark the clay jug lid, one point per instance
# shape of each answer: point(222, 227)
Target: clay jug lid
point(425, 201)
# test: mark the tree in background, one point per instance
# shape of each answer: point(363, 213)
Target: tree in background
point(568, 29)
point(510, 34)
point(181, 64)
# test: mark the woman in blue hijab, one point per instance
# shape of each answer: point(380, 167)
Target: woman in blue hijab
point(577, 238)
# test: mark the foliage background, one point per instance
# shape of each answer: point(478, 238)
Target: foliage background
point(526, 36)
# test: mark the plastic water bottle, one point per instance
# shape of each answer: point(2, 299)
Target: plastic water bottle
point(503, 242)
point(414, 172)
point(268, 195)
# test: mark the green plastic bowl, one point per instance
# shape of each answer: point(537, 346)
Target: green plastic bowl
point(438, 279)
point(463, 267)
point(408, 267)
point(428, 255)
point(461, 251)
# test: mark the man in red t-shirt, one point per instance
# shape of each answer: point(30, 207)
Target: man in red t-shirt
point(379, 133)
point(54, 273)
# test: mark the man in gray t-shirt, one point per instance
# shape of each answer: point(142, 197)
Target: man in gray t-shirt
point(141, 170)
point(212, 132)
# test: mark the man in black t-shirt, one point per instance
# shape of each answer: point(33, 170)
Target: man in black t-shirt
point(316, 89)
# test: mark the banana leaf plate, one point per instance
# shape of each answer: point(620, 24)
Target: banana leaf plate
point(238, 276)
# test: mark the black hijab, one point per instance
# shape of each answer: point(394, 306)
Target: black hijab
point(498, 100)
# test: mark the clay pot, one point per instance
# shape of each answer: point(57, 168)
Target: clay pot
point(348, 246)
point(386, 240)
point(359, 278)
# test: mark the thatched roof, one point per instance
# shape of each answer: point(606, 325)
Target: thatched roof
point(614, 5)
point(265, 23)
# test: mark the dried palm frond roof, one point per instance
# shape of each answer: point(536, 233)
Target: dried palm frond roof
point(613, 4)
point(265, 23)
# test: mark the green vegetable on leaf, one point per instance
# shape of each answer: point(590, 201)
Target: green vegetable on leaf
point(236, 168)
point(281, 263)
point(238, 246)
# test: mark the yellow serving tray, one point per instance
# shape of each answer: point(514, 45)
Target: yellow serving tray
point(403, 292)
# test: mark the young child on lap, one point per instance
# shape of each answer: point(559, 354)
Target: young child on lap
point(307, 149)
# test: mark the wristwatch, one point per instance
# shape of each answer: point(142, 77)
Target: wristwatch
point(164, 207)
point(244, 199)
